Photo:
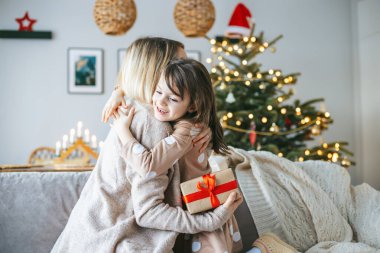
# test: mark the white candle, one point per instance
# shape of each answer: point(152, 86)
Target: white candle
point(79, 129)
point(101, 145)
point(86, 136)
point(57, 148)
point(94, 144)
point(72, 135)
point(64, 142)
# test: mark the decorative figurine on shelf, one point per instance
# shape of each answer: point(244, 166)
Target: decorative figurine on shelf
point(26, 23)
point(25, 30)
point(73, 150)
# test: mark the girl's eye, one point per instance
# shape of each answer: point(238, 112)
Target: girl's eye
point(158, 92)
point(174, 100)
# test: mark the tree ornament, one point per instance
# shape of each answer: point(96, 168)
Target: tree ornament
point(25, 23)
point(230, 98)
point(252, 135)
point(240, 24)
point(274, 128)
point(288, 122)
point(315, 130)
point(114, 17)
point(194, 18)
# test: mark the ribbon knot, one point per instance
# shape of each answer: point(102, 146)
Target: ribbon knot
point(209, 181)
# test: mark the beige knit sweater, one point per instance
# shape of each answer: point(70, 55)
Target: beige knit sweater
point(119, 211)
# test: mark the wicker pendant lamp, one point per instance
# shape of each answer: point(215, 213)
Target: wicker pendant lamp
point(114, 17)
point(194, 18)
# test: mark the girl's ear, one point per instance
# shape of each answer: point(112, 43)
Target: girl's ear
point(191, 108)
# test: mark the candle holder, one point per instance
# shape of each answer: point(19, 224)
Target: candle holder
point(73, 150)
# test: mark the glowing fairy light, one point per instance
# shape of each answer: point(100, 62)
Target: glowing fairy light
point(283, 110)
point(253, 39)
point(244, 62)
point(229, 115)
point(212, 41)
point(264, 120)
point(249, 75)
point(250, 116)
point(248, 83)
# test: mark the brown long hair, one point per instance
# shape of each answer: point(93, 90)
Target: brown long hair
point(144, 62)
point(191, 76)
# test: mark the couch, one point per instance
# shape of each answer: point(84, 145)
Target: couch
point(35, 206)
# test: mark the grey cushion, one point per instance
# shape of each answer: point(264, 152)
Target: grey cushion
point(34, 208)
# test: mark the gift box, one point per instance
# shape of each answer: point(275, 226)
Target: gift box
point(209, 191)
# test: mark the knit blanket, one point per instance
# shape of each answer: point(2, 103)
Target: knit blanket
point(311, 205)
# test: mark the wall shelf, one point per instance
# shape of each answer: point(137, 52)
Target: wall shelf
point(12, 34)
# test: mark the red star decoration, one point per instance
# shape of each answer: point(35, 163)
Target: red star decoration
point(25, 23)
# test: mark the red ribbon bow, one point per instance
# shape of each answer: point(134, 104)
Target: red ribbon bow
point(209, 181)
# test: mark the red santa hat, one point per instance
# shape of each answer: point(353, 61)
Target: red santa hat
point(240, 22)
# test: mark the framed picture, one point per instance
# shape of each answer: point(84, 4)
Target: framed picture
point(120, 57)
point(192, 54)
point(85, 70)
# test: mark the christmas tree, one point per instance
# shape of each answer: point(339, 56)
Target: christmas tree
point(253, 108)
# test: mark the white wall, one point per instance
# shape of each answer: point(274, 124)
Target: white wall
point(368, 88)
point(36, 109)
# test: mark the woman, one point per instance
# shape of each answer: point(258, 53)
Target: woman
point(119, 211)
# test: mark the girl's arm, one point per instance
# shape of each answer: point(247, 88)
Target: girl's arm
point(163, 155)
point(116, 99)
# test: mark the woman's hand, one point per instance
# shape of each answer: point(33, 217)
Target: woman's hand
point(116, 99)
point(233, 201)
point(122, 121)
point(203, 138)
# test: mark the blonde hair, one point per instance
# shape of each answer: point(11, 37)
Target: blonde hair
point(144, 62)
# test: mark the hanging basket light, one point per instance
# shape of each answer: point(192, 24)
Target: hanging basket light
point(194, 18)
point(114, 17)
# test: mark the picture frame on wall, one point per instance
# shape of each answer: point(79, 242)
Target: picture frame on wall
point(193, 54)
point(120, 57)
point(85, 70)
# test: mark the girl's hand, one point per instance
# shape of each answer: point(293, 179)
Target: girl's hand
point(122, 121)
point(233, 201)
point(116, 99)
point(203, 138)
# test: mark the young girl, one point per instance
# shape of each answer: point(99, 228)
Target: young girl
point(184, 96)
